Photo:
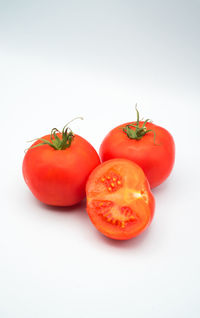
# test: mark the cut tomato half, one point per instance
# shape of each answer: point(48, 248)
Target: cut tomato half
point(119, 200)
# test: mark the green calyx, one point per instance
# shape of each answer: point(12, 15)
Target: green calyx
point(138, 132)
point(58, 142)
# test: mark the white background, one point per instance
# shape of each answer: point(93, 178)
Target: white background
point(96, 59)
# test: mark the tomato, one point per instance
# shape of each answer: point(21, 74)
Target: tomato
point(119, 201)
point(58, 176)
point(150, 146)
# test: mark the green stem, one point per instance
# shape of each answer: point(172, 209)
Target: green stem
point(138, 132)
point(58, 143)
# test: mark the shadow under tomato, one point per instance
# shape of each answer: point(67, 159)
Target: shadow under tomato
point(80, 212)
point(134, 242)
point(162, 188)
point(79, 207)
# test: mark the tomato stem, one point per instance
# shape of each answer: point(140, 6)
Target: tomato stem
point(59, 143)
point(138, 132)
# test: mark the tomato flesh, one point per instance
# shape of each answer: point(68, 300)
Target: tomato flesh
point(119, 201)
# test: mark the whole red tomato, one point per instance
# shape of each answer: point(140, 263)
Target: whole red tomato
point(56, 167)
point(150, 146)
point(119, 201)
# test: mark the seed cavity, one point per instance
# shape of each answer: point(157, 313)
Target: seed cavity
point(118, 216)
point(123, 224)
point(112, 181)
point(102, 204)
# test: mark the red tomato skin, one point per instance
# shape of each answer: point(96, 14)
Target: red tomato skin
point(155, 158)
point(58, 177)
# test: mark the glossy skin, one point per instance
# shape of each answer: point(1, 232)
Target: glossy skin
point(119, 201)
point(155, 158)
point(58, 177)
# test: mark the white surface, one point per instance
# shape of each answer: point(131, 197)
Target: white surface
point(97, 59)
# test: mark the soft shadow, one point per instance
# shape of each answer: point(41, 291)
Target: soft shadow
point(125, 244)
point(79, 207)
point(165, 186)
point(161, 188)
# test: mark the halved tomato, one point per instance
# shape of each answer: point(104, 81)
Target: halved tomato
point(119, 200)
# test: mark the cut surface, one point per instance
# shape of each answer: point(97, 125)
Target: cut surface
point(119, 201)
